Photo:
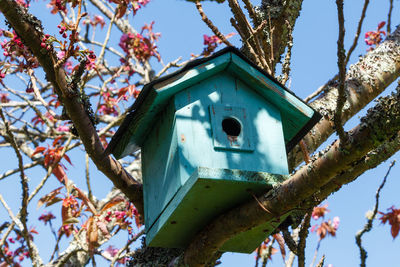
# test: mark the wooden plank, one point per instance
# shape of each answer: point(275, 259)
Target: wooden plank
point(160, 165)
point(200, 200)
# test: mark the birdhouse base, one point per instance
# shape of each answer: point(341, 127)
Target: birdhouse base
point(205, 195)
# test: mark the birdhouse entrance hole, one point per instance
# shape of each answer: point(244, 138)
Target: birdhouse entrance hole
point(231, 127)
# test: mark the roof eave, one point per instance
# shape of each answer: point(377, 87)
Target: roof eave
point(155, 96)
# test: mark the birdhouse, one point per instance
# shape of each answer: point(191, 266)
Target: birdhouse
point(212, 135)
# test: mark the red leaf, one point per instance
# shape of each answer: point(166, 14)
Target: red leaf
point(86, 200)
point(393, 217)
point(50, 198)
point(55, 142)
point(67, 159)
point(121, 10)
point(38, 149)
point(69, 210)
point(112, 203)
point(381, 24)
point(395, 230)
point(59, 172)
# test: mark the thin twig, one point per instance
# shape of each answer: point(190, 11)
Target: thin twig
point(169, 65)
point(38, 112)
point(286, 63)
point(26, 166)
point(24, 184)
point(260, 204)
point(258, 256)
point(111, 49)
point(321, 262)
point(90, 195)
point(73, 37)
point(271, 39)
point(103, 48)
point(118, 255)
point(303, 233)
point(389, 20)
point(368, 225)
point(7, 233)
point(243, 24)
point(246, 32)
point(342, 72)
point(36, 91)
point(360, 22)
point(316, 253)
point(122, 25)
point(260, 61)
point(267, 255)
point(57, 237)
point(34, 253)
point(320, 89)
point(211, 25)
point(251, 11)
point(10, 213)
point(305, 152)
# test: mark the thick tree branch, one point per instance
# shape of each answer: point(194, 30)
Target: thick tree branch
point(23, 22)
point(364, 81)
point(381, 123)
point(369, 161)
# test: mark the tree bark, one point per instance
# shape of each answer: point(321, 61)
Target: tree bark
point(283, 15)
point(365, 80)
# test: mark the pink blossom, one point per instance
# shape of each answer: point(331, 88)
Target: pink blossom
point(112, 251)
point(335, 222)
point(60, 54)
point(63, 128)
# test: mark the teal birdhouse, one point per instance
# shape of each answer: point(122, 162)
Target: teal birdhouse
point(212, 135)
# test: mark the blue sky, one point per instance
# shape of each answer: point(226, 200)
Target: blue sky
point(313, 63)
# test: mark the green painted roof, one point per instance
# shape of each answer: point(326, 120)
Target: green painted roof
point(297, 117)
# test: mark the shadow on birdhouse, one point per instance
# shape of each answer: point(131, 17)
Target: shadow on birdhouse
point(212, 135)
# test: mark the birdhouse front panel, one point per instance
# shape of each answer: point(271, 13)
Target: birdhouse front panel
point(222, 123)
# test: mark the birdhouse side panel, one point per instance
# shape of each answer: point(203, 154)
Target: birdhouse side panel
point(223, 123)
point(160, 165)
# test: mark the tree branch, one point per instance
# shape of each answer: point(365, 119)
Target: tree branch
point(341, 99)
point(368, 225)
point(360, 22)
point(364, 81)
point(283, 15)
point(23, 22)
point(210, 25)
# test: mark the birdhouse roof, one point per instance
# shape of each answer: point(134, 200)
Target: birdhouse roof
point(297, 117)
